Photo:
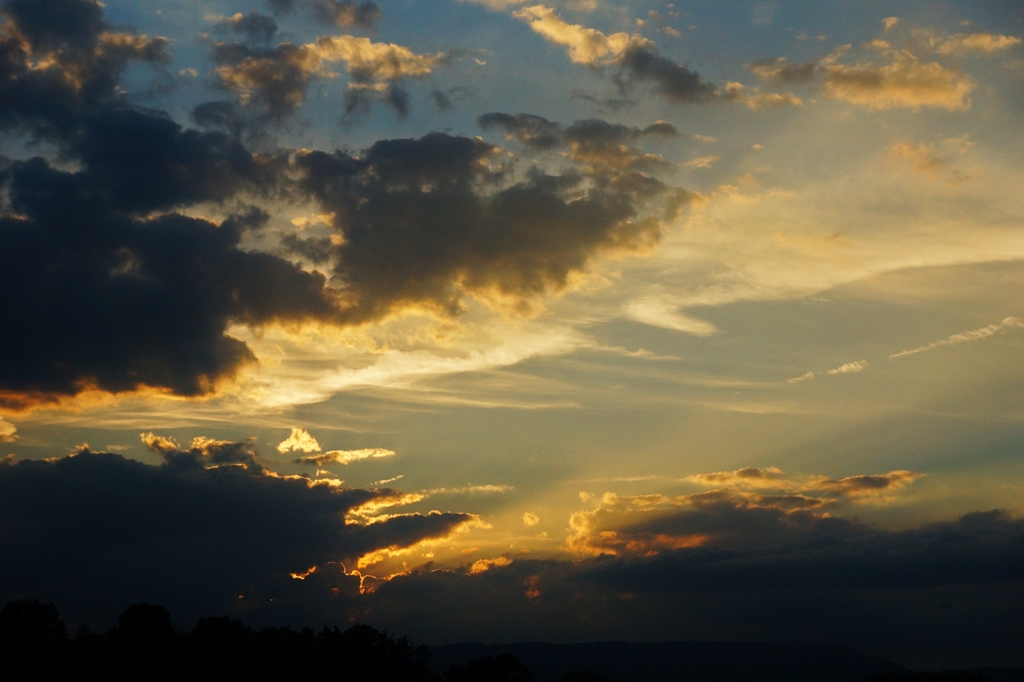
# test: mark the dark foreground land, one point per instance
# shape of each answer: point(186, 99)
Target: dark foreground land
point(35, 645)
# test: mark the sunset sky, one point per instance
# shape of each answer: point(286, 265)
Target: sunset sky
point(486, 320)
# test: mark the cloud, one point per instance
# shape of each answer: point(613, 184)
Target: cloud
point(642, 63)
point(417, 224)
point(867, 485)
point(95, 531)
point(601, 148)
point(889, 22)
point(965, 337)
point(60, 60)
point(486, 488)
point(586, 46)
point(752, 477)
point(849, 367)
point(779, 71)
point(340, 13)
point(8, 431)
point(277, 79)
point(636, 57)
point(660, 312)
point(755, 100)
point(966, 43)
point(487, 564)
point(809, 489)
point(703, 161)
point(530, 519)
point(903, 83)
point(257, 27)
point(299, 439)
point(345, 457)
point(426, 222)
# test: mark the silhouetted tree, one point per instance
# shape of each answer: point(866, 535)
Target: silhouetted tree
point(33, 639)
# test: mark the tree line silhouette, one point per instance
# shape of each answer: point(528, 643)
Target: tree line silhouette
point(35, 645)
point(144, 645)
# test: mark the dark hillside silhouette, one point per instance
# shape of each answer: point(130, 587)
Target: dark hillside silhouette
point(144, 645)
point(675, 661)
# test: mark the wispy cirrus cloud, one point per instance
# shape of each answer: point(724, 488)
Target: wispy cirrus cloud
point(965, 337)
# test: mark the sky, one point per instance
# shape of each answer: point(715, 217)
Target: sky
point(485, 320)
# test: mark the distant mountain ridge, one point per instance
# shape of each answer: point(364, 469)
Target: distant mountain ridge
point(681, 661)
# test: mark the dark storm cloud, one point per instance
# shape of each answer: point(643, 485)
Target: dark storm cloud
point(59, 60)
point(103, 299)
point(110, 287)
point(426, 221)
point(276, 79)
point(96, 531)
point(642, 63)
point(942, 594)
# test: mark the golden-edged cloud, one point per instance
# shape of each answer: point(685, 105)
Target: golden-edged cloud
point(345, 457)
point(981, 43)
point(299, 439)
point(585, 45)
point(903, 83)
point(8, 431)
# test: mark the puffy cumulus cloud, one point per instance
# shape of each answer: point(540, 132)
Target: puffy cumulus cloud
point(278, 78)
point(530, 519)
point(299, 439)
point(965, 337)
point(636, 57)
point(95, 530)
point(905, 82)
point(8, 431)
point(345, 457)
point(425, 222)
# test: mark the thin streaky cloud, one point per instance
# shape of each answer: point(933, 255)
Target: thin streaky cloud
point(964, 337)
